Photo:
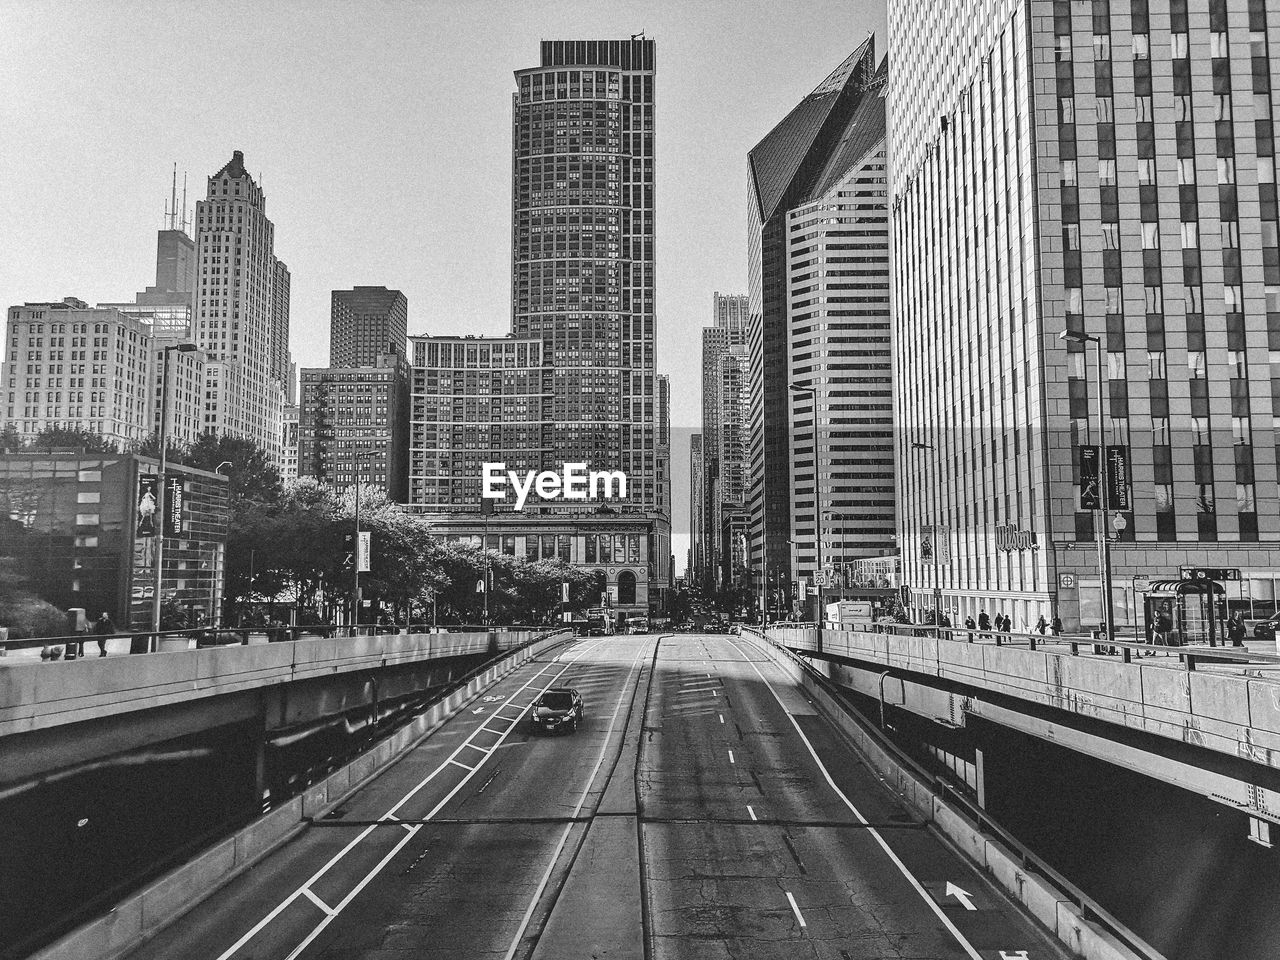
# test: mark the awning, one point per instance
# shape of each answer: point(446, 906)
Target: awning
point(1178, 588)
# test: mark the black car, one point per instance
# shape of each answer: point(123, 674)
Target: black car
point(1266, 629)
point(559, 708)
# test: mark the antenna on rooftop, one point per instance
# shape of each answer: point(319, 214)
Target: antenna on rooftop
point(173, 199)
point(184, 201)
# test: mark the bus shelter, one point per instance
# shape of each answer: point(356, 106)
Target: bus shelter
point(1177, 612)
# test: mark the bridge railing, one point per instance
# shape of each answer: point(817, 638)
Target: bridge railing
point(1123, 646)
point(73, 646)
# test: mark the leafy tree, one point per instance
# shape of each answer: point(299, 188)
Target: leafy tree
point(52, 438)
point(24, 613)
point(150, 447)
point(10, 439)
point(252, 475)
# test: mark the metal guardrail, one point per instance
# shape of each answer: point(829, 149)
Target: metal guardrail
point(1090, 909)
point(1188, 654)
point(150, 642)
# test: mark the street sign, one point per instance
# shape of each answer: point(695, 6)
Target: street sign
point(1141, 584)
point(1210, 573)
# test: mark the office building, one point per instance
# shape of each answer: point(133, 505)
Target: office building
point(583, 251)
point(784, 169)
point(474, 400)
point(1107, 170)
point(353, 426)
point(289, 443)
point(724, 421)
point(79, 367)
point(695, 570)
point(365, 323)
point(838, 328)
point(241, 310)
point(77, 525)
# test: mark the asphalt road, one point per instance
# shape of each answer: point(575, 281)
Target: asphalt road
point(704, 810)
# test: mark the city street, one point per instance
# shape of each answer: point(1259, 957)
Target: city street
point(704, 809)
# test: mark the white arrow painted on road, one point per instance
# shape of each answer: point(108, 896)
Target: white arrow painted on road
point(478, 710)
point(964, 898)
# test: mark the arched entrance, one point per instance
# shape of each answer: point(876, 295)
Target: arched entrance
point(626, 587)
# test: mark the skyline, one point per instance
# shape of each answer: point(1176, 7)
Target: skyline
point(330, 163)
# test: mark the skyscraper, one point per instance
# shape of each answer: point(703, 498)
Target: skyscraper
point(695, 572)
point(365, 323)
point(241, 309)
point(1106, 170)
point(583, 252)
point(782, 170)
point(837, 266)
point(725, 414)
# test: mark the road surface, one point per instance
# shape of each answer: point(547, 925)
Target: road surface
point(703, 810)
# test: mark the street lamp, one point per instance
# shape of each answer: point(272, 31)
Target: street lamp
point(1100, 515)
point(937, 556)
point(161, 519)
point(812, 394)
point(224, 463)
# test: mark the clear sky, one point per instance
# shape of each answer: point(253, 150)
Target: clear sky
point(381, 133)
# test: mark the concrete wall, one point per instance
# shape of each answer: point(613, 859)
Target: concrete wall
point(1055, 911)
point(143, 913)
point(35, 695)
point(1235, 710)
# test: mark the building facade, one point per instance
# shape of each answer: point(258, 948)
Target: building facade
point(289, 443)
point(838, 331)
point(725, 412)
point(695, 570)
point(783, 169)
point(71, 365)
point(1107, 170)
point(583, 250)
point(77, 527)
point(241, 309)
point(365, 323)
point(353, 426)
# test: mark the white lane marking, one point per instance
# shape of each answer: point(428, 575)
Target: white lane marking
point(456, 763)
point(721, 716)
point(897, 862)
point(317, 901)
point(964, 896)
point(473, 746)
point(752, 812)
point(564, 837)
point(731, 760)
point(388, 816)
point(795, 909)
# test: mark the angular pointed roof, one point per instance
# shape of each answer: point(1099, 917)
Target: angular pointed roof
point(775, 160)
point(864, 130)
point(234, 168)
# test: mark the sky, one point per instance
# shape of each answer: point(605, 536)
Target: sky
point(381, 135)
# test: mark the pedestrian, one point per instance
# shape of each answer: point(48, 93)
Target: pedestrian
point(103, 628)
point(970, 625)
point(1041, 625)
point(1236, 631)
point(1006, 623)
point(1055, 627)
point(984, 622)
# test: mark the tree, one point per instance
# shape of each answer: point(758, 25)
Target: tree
point(52, 438)
point(10, 439)
point(252, 475)
point(24, 613)
point(150, 447)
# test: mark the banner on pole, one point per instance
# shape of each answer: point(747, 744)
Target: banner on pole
point(148, 503)
point(1090, 478)
point(364, 550)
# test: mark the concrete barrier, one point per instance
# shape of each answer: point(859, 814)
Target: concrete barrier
point(37, 694)
point(1045, 902)
point(145, 912)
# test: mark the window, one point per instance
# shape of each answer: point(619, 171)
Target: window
point(1240, 433)
point(1195, 364)
point(1246, 498)
point(1141, 46)
point(1074, 300)
point(1075, 364)
point(1238, 364)
point(1190, 235)
point(1063, 48)
point(1160, 431)
point(1181, 48)
point(1105, 110)
point(1150, 236)
point(1233, 297)
point(1218, 46)
point(1204, 498)
point(1226, 170)
point(1156, 369)
point(1200, 431)
point(1154, 297)
point(1071, 236)
point(1164, 497)
point(1102, 46)
point(1257, 44)
point(1070, 174)
point(1147, 171)
point(1066, 110)
point(1192, 300)
point(1107, 173)
point(1113, 297)
point(1231, 234)
point(1182, 108)
point(1186, 172)
point(1115, 365)
point(1111, 236)
point(1266, 169)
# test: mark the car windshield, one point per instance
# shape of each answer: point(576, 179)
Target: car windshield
point(557, 700)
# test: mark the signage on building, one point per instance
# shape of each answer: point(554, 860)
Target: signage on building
point(1010, 538)
point(1117, 478)
point(935, 544)
point(1066, 581)
point(1211, 573)
point(148, 503)
point(175, 496)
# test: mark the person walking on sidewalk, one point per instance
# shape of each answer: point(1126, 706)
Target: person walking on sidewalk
point(103, 628)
